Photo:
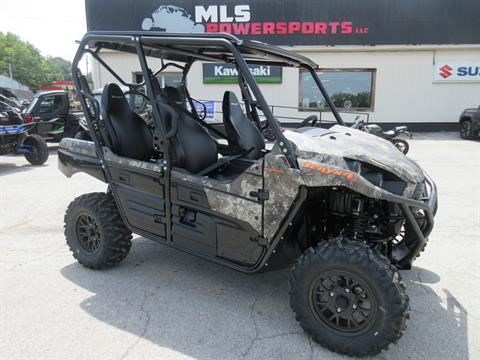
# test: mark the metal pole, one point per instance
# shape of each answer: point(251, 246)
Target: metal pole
point(10, 70)
point(326, 96)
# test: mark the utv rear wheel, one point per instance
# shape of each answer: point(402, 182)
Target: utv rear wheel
point(38, 152)
point(348, 298)
point(95, 232)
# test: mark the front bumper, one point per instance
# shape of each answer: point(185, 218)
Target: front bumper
point(429, 205)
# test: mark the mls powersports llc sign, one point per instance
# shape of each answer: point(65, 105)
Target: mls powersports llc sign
point(223, 73)
point(457, 70)
point(299, 22)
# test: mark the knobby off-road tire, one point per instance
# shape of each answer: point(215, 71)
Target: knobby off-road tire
point(355, 282)
point(39, 149)
point(402, 145)
point(95, 232)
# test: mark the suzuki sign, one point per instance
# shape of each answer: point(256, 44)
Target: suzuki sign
point(455, 70)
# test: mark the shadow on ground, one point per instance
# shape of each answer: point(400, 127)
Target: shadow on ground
point(23, 165)
point(205, 311)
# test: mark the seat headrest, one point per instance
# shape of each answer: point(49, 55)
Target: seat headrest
point(113, 99)
point(242, 133)
point(174, 95)
point(230, 100)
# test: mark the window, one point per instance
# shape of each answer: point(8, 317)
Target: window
point(169, 79)
point(164, 79)
point(348, 88)
point(50, 104)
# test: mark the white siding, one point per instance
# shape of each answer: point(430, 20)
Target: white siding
point(404, 92)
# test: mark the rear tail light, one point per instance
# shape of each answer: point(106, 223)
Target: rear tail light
point(28, 118)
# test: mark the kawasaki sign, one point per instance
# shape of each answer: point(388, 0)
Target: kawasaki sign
point(299, 22)
point(228, 74)
point(456, 70)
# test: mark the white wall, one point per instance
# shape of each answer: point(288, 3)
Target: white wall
point(404, 92)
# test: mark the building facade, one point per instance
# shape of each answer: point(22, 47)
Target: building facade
point(393, 62)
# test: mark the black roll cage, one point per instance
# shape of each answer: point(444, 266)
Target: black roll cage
point(136, 43)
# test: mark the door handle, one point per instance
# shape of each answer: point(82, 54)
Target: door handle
point(124, 178)
point(195, 197)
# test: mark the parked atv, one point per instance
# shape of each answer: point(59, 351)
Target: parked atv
point(50, 114)
point(390, 135)
point(344, 208)
point(14, 137)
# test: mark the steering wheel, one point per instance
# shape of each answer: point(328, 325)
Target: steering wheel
point(309, 121)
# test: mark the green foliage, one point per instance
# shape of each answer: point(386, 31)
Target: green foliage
point(29, 67)
point(346, 100)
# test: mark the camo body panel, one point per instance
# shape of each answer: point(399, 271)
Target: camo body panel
point(342, 143)
point(282, 183)
point(232, 198)
point(78, 146)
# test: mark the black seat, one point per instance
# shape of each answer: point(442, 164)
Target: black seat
point(192, 147)
point(243, 135)
point(127, 133)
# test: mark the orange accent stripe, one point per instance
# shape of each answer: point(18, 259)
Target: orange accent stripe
point(274, 170)
point(348, 175)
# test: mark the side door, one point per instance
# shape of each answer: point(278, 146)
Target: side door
point(220, 218)
point(139, 186)
point(47, 108)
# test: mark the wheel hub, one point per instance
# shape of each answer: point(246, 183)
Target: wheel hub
point(343, 301)
point(87, 232)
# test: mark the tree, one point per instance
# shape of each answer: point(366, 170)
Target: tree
point(29, 67)
point(62, 65)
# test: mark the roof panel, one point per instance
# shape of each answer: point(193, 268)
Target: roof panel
point(204, 46)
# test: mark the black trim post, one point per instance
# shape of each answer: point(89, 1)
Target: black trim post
point(325, 95)
point(284, 144)
point(160, 138)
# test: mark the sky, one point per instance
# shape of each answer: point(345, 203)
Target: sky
point(52, 26)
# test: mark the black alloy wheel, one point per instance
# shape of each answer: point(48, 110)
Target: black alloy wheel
point(348, 297)
point(344, 302)
point(95, 231)
point(87, 232)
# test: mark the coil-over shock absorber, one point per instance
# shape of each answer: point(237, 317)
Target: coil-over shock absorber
point(359, 218)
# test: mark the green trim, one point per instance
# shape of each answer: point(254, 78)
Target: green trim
point(234, 80)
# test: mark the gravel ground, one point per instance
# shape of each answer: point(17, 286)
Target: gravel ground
point(164, 304)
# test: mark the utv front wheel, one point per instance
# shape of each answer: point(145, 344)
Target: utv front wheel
point(95, 232)
point(348, 298)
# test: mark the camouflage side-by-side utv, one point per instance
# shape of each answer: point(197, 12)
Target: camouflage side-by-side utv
point(345, 208)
